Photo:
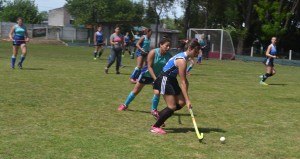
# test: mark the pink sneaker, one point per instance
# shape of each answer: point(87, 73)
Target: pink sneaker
point(187, 73)
point(122, 107)
point(133, 81)
point(157, 130)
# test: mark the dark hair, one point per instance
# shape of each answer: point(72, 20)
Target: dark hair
point(164, 40)
point(191, 44)
point(147, 30)
point(19, 18)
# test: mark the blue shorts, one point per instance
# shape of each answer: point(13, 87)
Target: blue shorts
point(139, 53)
point(18, 40)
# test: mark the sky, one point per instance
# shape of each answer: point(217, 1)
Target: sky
point(45, 5)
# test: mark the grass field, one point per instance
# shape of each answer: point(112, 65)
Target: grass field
point(62, 105)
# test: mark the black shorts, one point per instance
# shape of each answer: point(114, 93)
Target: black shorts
point(99, 43)
point(167, 85)
point(269, 62)
point(145, 80)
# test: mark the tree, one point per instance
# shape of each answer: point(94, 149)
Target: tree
point(95, 11)
point(21, 8)
point(159, 7)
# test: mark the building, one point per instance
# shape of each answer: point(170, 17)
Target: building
point(60, 17)
point(163, 31)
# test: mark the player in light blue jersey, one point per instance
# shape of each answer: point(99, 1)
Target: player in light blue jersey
point(18, 34)
point(143, 46)
point(269, 61)
point(98, 42)
point(156, 60)
point(167, 84)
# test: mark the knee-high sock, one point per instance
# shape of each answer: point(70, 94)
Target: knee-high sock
point(155, 101)
point(22, 59)
point(163, 116)
point(266, 76)
point(13, 61)
point(189, 68)
point(135, 73)
point(100, 53)
point(95, 53)
point(129, 99)
point(199, 59)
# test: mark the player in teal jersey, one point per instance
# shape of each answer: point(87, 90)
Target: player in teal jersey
point(135, 39)
point(18, 34)
point(143, 46)
point(156, 60)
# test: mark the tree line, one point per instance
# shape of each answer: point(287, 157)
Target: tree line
point(246, 20)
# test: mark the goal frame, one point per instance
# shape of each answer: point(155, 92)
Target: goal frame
point(189, 34)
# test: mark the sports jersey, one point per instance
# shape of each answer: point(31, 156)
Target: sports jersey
point(170, 68)
point(99, 36)
point(159, 62)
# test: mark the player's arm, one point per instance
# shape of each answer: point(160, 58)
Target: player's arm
point(95, 43)
point(181, 64)
point(139, 42)
point(150, 60)
point(27, 36)
point(268, 52)
point(11, 32)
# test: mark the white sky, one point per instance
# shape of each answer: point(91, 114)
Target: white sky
point(45, 5)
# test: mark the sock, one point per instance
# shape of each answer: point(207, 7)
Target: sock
point(155, 101)
point(100, 53)
point(265, 76)
point(163, 116)
point(189, 68)
point(95, 53)
point(133, 75)
point(199, 59)
point(22, 59)
point(138, 73)
point(129, 99)
point(13, 61)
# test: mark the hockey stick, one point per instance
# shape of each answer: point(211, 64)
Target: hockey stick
point(199, 135)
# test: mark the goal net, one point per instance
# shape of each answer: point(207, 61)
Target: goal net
point(219, 42)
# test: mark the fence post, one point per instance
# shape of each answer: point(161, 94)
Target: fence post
point(290, 55)
point(251, 51)
point(212, 47)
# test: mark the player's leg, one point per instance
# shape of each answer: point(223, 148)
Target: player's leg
point(267, 75)
point(136, 90)
point(101, 48)
point(14, 56)
point(111, 61)
point(199, 59)
point(24, 52)
point(155, 101)
point(119, 61)
point(190, 67)
point(137, 70)
point(96, 51)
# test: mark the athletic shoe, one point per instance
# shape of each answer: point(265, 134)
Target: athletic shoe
point(263, 83)
point(106, 70)
point(20, 65)
point(261, 77)
point(199, 63)
point(122, 107)
point(157, 130)
point(133, 81)
point(95, 58)
point(155, 114)
point(187, 73)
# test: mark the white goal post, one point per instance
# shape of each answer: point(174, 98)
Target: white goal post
point(219, 41)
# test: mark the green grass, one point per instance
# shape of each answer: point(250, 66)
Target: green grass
point(62, 105)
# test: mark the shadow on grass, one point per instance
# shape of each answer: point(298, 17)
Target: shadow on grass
point(148, 112)
point(33, 69)
point(185, 130)
point(277, 84)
